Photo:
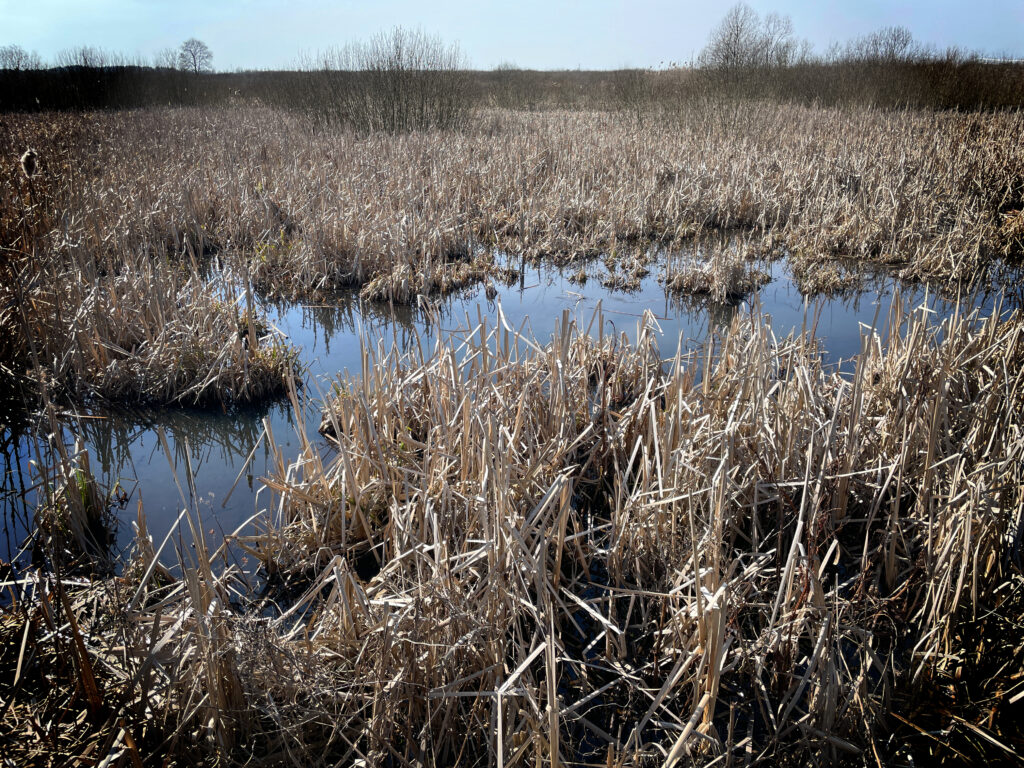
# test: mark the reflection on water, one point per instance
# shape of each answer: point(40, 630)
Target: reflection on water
point(160, 455)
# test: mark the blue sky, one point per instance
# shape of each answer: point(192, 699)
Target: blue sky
point(542, 34)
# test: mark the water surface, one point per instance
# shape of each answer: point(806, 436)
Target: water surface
point(209, 462)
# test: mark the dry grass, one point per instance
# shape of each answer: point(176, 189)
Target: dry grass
point(577, 553)
point(579, 550)
point(514, 553)
point(307, 211)
point(109, 245)
point(91, 310)
point(823, 278)
point(722, 272)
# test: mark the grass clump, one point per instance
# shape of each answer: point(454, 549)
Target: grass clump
point(824, 278)
point(146, 331)
point(304, 211)
point(723, 277)
point(580, 552)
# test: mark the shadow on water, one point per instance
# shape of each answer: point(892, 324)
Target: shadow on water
point(160, 455)
point(156, 456)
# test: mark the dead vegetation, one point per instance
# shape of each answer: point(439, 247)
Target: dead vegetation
point(722, 275)
point(304, 211)
point(514, 553)
point(101, 311)
point(577, 553)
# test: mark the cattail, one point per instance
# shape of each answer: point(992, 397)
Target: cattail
point(28, 162)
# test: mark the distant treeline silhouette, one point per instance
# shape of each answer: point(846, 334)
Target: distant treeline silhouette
point(931, 83)
point(406, 79)
point(107, 87)
point(935, 83)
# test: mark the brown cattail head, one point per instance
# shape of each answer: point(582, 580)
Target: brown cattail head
point(28, 162)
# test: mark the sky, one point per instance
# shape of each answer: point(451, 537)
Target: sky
point(536, 34)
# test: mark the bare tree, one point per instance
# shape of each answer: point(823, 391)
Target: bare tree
point(398, 81)
point(165, 58)
point(17, 58)
point(888, 44)
point(891, 44)
point(734, 42)
point(777, 43)
point(195, 56)
point(742, 40)
point(86, 56)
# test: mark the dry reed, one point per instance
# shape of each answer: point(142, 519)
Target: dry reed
point(522, 554)
point(583, 553)
point(936, 195)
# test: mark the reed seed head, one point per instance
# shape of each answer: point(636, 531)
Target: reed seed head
point(29, 162)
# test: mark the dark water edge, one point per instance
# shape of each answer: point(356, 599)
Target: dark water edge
point(223, 455)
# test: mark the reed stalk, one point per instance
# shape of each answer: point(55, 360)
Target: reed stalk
point(522, 554)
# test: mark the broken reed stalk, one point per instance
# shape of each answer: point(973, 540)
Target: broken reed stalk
point(740, 548)
point(521, 554)
point(934, 195)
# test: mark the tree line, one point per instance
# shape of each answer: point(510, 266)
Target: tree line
point(193, 55)
point(404, 79)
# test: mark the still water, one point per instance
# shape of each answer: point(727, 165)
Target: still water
point(158, 456)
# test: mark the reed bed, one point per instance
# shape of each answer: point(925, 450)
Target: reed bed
point(584, 557)
point(125, 325)
point(582, 553)
point(309, 209)
point(151, 335)
point(576, 553)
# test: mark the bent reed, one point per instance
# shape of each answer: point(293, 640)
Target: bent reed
point(308, 209)
point(584, 554)
point(95, 309)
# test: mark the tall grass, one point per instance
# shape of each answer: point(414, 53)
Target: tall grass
point(583, 557)
point(107, 306)
point(583, 553)
point(301, 211)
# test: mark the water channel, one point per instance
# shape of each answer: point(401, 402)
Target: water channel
point(225, 454)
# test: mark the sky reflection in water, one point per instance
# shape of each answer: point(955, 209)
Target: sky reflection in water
point(125, 446)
